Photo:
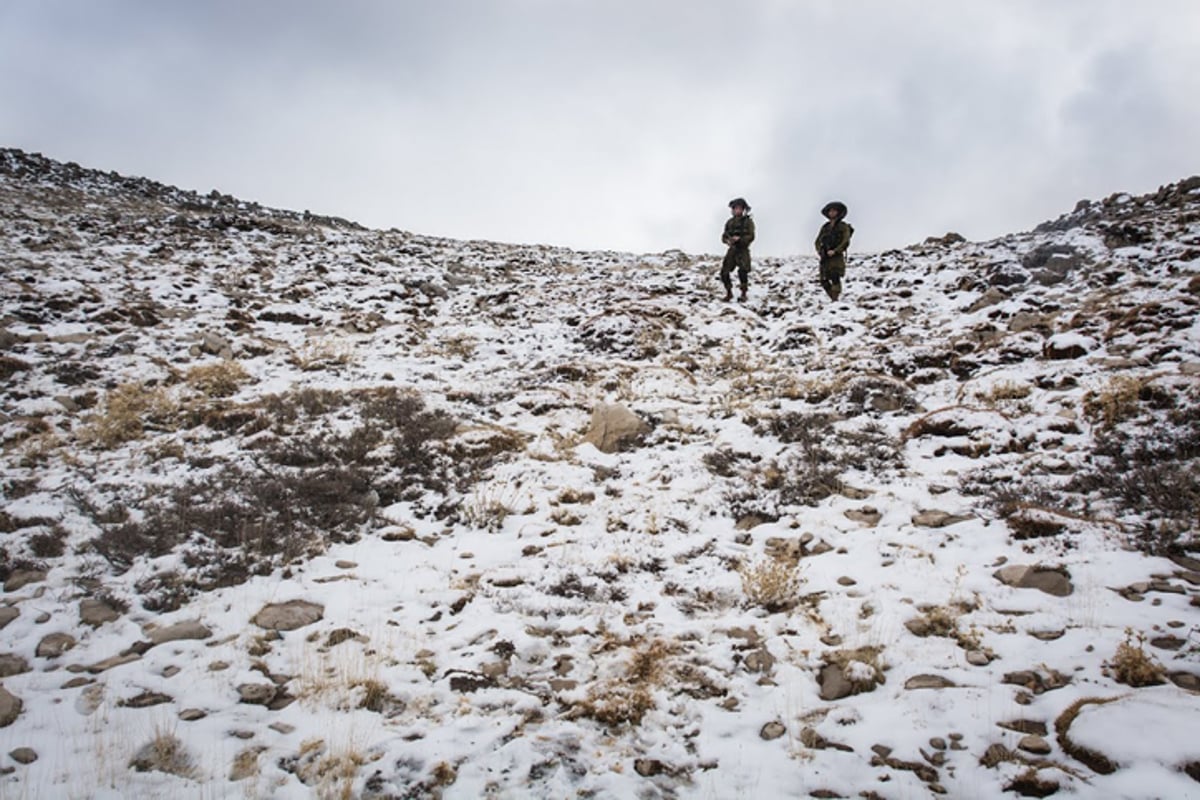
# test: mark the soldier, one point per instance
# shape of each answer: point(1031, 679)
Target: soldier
point(831, 245)
point(739, 233)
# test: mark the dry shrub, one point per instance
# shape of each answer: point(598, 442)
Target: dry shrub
point(626, 699)
point(1116, 402)
point(217, 380)
point(164, 753)
point(126, 412)
point(771, 584)
point(329, 772)
point(1133, 666)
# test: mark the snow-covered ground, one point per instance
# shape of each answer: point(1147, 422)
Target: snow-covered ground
point(924, 540)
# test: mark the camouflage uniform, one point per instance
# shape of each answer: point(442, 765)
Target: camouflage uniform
point(835, 236)
point(738, 255)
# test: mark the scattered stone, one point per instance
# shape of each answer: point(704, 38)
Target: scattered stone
point(180, 631)
point(21, 578)
point(1037, 681)
point(937, 743)
point(398, 533)
point(614, 427)
point(192, 714)
point(113, 661)
point(12, 664)
point(343, 564)
point(1047, 636)
point(54, 645)
point(1185, 680)
point(815, 741)
point(978, 658)
point(288, 616)
point(929, 682)
point(96, 612)
point(90, 699)
point(282, 727)
point(760, 660)
point(24, 755)
point(10, 707)
point(867, 515)
point(76, 682)
point(145, 700)
point(245, 764)
point(1027, 726)
point(846, 581)
point(1035, 744)
point(833, 682)
point(938, 519)
point(256, 694)
point(1054, 582)
point(772, 730)
point(7, 615)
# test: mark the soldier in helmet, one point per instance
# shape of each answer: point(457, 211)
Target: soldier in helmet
point(831, 245)
point(739, 233)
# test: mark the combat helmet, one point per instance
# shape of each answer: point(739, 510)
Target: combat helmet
point(739, 201)
point(835, 205)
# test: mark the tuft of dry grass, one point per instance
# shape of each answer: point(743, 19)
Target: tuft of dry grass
point(771, 584)
point(1116, 402)
point(126, 412)
point(1133, 666)
point(217, 380)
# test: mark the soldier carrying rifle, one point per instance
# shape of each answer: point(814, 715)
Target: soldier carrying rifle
point(831, 244)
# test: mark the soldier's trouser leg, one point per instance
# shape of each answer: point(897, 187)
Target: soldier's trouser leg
point(744, 272)
point(831, 281)
point(727, 267)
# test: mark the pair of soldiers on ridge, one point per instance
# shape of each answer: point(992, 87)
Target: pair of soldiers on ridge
point(831, 244)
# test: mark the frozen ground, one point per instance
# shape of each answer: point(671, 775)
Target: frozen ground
point(931, 539)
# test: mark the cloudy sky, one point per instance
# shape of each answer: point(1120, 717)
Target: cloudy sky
point(619, 124)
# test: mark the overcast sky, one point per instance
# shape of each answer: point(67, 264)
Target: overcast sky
point(619, 124)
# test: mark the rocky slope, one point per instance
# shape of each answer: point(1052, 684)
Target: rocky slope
point(294, 508)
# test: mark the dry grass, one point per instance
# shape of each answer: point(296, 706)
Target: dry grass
point(1116, 402)
point(217, 380)
point(126, 413)
point(627, 698)
point(322, 354)
point(771, 584)
point(1133, 666)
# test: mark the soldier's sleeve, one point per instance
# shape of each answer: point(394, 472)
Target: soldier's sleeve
point(843, 241)
point(817, 241)
point(725, 233)
point(748, 236)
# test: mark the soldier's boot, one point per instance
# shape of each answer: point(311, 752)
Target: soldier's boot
point(728, 294)
point(834, 289)
point(742, 294)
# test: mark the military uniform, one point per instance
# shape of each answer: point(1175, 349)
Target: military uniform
point(834, 236)
point(738, 255)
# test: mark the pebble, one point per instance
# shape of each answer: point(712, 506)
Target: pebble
point(1034, 744)
point(772, 730)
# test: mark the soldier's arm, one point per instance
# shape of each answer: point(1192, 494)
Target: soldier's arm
point(843, 239)
point(748, 234)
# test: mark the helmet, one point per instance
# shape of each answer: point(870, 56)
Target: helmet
point(739, 201)
point(836, 205)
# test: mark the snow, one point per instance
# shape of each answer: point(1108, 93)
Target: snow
point(565, 565)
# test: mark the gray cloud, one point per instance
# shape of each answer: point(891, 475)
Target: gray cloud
point(618, 124)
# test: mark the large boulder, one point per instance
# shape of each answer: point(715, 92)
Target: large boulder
point(288, 616)
point(614, 427)
point(10, 707)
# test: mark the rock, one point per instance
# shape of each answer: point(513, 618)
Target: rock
point(113, 661)
point(282, 727)
point(760, 660)
point(163, 753)
point(7, 615)
point(1185, 680)
point(929, 682)
point(938, 519)
point(96, 612)
point(991, 297)
point(54, 645)
point(845, 580)
point(12, 664)
point(919, 626)
point(1024, 321)
point(215, 345)
point(867, 515)
point(978, 658)
point(21, 578)
point(1065, 346)
point(1034, 744)
point(192, 714)
point(23, 755)
point(614, 427)
point(10, 707)
point(834, 683)
point(772, 730)
point(288, 616)
point(180, 631)
point(145, 700)
point(1051, 581)
point(1032, 726)
point(256, 694)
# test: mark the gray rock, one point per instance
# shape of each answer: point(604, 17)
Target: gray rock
point(188, 629)
point(12, 664)
point(90, 699)
point(929, 682)
point(21, 578)
point(288, 616)
point(54, 645)
point(614, 427)
point(760, 660)
point(192, 714)
point(1023, 576)
point(256, 694)
point(867, 515)
point(978, 658)
point(938, 519)
point(245, 764)
point(10, 707)
point(772, 730)
point(648, 767)
point(1185, 680)
point(24, 755)
point(834, 683)
point(96, 612)
point(7, 615)
point(1035, 744)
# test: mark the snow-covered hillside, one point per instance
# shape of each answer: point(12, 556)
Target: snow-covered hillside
point(293, 508)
